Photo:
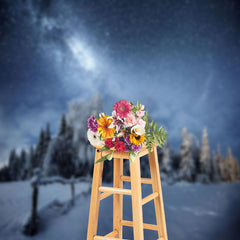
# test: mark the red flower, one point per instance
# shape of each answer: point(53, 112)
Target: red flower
point(120, 147)
point(109, 143)
point(122, 108)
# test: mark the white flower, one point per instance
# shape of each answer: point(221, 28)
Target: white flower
point(138, 129)
point(101, 114)
point(117, 121)
point(94, 138)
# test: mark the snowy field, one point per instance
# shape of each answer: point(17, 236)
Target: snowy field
point(193, 211)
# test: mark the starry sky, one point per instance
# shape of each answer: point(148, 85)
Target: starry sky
point(179, 58)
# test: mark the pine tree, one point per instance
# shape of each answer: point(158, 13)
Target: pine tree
point(31, 160)
point(78, 114)
point(205, 158)
point(68, 165)
point(15, 166)
point(12, 161)
point(215, 177)
point(47, 134)
point(63, 126)
point(187, 167)
point(23, 171)
point(166, 161)
point(236, 170)
point(220, 164)
point(17, 169)
point(232, 166)
point(40, 151)
point(61, 158)
point(4, 174)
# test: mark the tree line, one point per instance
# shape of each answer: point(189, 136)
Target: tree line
point(69, 154)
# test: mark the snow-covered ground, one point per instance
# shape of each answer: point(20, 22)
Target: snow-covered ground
point(193, 211)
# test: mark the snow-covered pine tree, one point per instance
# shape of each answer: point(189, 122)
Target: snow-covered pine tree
point(23, 171)
point(205, 159)
point(231, 164)
point(40, 151)
point(12, 161)
point(214, 168)
point(67, 167)
point(166, 163)
point(4, 174)
point(187, 167)
point(166, 160)
point(17, 168)
point(63, 126)
point(195, 152)
point(41, 148)
point(47, 136)
point(236, 170)
point(220, 163)
point(78, 114)
point(62, 154)
point(30, 161)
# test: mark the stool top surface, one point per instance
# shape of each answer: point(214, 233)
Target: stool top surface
point(124, 155)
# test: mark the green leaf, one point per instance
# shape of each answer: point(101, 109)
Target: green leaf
point(109, 156)
point(106, 157)
point(151, 124)
point(132, 156)
point(155, 128)
point(104, 148)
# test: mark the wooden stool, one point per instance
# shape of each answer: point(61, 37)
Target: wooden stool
point(99, 193)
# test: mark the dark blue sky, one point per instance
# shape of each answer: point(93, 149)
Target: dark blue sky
point(179, 58)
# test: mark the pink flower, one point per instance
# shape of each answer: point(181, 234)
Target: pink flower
point(141, 122)
point(140, 113)
point(136, 148)
point(122, 108)
point(130, 120)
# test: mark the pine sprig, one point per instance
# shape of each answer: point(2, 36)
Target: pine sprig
point(153, 134)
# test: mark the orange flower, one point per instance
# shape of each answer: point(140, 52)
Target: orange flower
point(104, 123)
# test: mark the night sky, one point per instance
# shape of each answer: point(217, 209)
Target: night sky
point(179, 58)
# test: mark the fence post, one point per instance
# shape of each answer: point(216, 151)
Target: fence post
point(73, 190)
point(31, 226)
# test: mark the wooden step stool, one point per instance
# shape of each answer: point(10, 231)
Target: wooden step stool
point(99, 193)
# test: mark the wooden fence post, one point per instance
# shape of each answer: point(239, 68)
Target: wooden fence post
point(73, 190)
point(31, 227)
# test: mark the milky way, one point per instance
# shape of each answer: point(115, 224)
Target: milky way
point(181, 59)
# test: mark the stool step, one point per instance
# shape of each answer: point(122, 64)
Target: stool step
point(143, 180)
point(149, 198)
point(145, 225)
point(115, 190)
point(107, 238)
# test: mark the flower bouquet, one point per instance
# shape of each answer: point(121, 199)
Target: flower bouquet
point(126, 130)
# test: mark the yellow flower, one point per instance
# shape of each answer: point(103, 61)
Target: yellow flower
point(137, 139)
point(103, 126)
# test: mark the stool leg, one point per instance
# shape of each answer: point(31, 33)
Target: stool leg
point(158, 201)
point(117, 198)
point(95, 197)
point(136, 199)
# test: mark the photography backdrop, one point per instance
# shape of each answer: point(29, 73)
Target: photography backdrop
point(179, 58)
